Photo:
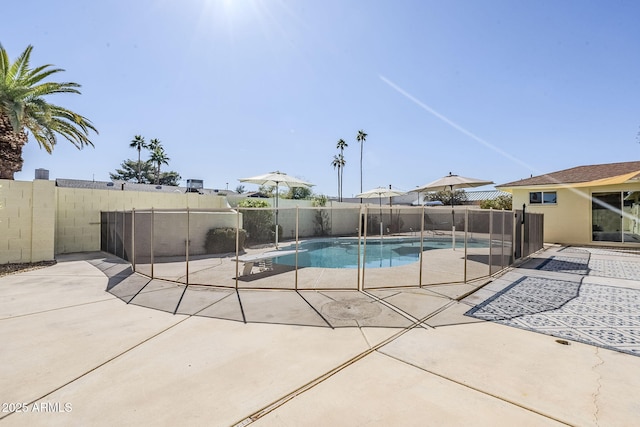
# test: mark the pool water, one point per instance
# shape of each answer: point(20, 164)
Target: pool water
point(343, 253)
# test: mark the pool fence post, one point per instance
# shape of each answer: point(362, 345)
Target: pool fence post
point(297, 221)
point(466, 229)
point(124, 232)
point(504, 213)
point(237, 243)
point(115, 233)
point(364, 249)
point(421, 244)
point(490, 239)
point(133, 239)
point(187, 248)
point(359, 229)
point(153, 226)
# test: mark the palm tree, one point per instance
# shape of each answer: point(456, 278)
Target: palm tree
point(361, 138)
point(158, 157)
point(343, 162)
point(336, 163)
point(23, 108)
point(341, 145)
point(153, 144)
point(138, 143)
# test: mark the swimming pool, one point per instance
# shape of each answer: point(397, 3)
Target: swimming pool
point(343, 253)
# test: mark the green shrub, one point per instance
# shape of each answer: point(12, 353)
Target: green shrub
point(258, 223)
point(223, 240)
point(500, 202)
point(319, 200)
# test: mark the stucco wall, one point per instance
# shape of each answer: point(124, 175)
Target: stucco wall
point(569, 220)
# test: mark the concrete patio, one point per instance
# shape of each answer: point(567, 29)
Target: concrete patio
point(73, 354)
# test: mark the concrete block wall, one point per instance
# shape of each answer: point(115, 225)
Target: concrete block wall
point(39, 220)
point(27, 221)
point(78, 223)
point(171, 231)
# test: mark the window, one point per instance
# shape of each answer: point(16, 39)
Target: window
point(543, 197)
point(549, 197)
point(615, 216)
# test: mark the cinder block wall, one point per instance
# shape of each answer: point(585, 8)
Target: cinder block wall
point(39, 220)
point(78, 219)
point(171, 231)
point(27, 221)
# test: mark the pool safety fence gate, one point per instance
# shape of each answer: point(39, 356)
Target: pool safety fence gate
point(321, 248)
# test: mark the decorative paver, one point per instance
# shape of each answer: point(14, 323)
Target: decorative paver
point(600, 315)
point(526, 296)
point(562, 264)
point(615, 268)
point(617, 252)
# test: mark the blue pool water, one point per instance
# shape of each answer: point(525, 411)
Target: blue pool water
point(343, 253)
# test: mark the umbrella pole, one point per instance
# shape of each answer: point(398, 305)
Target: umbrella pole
point(390, 212)
point(381, 226)
point(453, 223)
point(276, 214)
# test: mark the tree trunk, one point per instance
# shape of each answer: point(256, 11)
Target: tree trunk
point(11, 144)
point(341, 180)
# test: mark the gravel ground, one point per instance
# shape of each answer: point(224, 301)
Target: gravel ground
point(6, 269)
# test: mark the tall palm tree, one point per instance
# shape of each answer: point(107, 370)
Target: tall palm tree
point(158, 157)
point(341, 145)
point(138, 143)
point(153, 144)
point(336, 163)
point(343, 162)
point(23, 108)
point(361, 138)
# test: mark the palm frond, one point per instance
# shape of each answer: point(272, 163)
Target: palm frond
point(51, 88)
point(4, 63)
point(20, 64)
point(40, 74)
point(23, 92)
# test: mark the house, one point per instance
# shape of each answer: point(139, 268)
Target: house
point(477, 197)
point(418, 199)
point(595, 204)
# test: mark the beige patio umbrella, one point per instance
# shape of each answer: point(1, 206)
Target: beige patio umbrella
point(379, 193)
point(276, 179)
point(451, 182)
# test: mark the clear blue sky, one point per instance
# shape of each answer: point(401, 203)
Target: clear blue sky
point(496, 90)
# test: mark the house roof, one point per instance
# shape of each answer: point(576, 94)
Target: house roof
point(581, 174)
point(95, 185)
point(479, 196)
point(416, 199)
point(131, 186)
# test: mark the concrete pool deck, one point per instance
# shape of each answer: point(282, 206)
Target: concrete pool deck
point(73, 354)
